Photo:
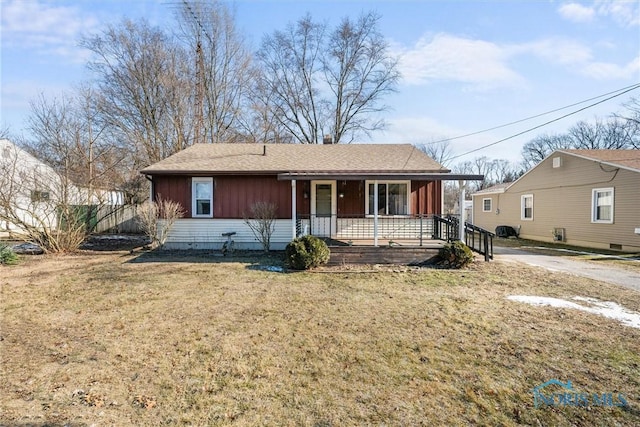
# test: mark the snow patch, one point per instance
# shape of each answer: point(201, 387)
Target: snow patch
point(607, 309)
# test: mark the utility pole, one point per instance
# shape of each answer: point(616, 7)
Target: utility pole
point(199, 101)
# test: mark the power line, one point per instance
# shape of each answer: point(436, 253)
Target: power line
point(628, 89)
point(534, 117)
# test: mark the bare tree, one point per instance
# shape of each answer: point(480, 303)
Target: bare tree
point(38, 203)
point(359, 70)
point(55, 194)
point(259, 122)
point(4, 132)
point(536, 150)
point(261, 221)
point(143, 88)
point(440, 151)
point(328, 82)
point(156, 219)
point(616, 133)
point(290, 61)
point(221, 69)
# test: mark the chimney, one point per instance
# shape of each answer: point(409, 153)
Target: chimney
point(328, 139)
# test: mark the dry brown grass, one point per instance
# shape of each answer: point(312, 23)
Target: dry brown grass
point(99, 339)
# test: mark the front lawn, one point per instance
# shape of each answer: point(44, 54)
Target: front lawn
point(103, 339)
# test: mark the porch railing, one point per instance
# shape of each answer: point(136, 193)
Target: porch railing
point(354, 227)
point(478, 239)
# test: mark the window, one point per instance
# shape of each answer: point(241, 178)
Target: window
point(602, 205)
point(526, 207)
point(202, 198)
point(39, 196)
point(393, 198)
point(486, 205)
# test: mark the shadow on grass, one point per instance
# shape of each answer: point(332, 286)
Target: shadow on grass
point(208, 257)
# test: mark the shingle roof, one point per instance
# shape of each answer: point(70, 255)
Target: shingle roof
point(497, 188)
point(629, 159)
point(281, 158)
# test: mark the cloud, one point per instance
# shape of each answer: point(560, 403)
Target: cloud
point(579, 58)
point(446, 57)
point(556, 50)
point(46, 27)
point(483, 65)
point(576, 12)
point(604, 70)
point(624, 13)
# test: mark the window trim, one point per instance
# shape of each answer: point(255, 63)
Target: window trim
point(366, 198)
point(594, 207)
point(522, 207)
point(484, 209)
point(194, 204)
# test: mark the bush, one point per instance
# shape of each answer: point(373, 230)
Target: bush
point(455, 255)
point(7, 255)
point(306, 252)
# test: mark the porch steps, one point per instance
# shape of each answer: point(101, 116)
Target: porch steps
point(341, 255)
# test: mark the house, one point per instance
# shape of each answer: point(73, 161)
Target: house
point(339, 191)
point(587, 198)
point(31, 192)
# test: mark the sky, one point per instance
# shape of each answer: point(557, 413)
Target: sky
point(466, 66)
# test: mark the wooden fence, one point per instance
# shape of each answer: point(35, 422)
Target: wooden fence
point(117, 219)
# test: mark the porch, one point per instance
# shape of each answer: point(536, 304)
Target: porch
point(358, 239)
point(399, 251)
point(363, 230)
point(391, 240)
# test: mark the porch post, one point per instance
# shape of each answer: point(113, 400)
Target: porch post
point(375, 213)
point(294, 213)
point(462, 185)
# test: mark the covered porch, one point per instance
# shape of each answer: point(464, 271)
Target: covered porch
point(372, 209)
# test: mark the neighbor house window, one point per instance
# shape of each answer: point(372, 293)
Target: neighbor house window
point(39, 196)
point(602, 205)
point(202, 197)
point(486, 205)
point(526, 208)
point(393, 198)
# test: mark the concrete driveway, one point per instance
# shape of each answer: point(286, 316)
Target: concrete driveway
point(591, 270)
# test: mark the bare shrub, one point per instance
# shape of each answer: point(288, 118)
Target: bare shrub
point(261, 220)
point(157, 218)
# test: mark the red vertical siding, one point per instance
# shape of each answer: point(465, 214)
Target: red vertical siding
point(176, 188)
point(352, 204)
point(303, 204)
point(426, 197)
point(233, 196)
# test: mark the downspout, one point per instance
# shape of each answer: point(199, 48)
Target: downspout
point(151, 188)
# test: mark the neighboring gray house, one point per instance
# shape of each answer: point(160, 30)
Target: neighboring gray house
point(586, 198)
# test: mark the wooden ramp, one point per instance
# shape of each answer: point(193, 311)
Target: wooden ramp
point(342, 255)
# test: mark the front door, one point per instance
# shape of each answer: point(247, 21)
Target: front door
point(323, 208)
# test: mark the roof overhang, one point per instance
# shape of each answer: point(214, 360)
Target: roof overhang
point(332, 175)
point(358, 176)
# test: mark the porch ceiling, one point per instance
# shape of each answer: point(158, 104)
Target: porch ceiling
point(358, 176)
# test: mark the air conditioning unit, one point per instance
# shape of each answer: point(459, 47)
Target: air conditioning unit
point(558, 235)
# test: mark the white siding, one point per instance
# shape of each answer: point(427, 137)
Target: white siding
point(196, 233)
